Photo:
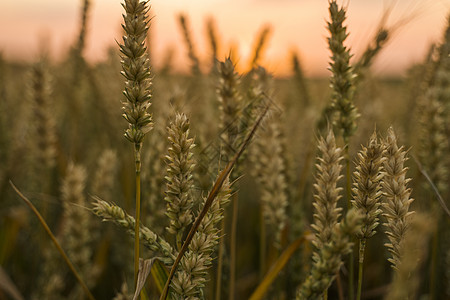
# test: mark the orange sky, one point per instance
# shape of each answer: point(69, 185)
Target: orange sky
point(297, 24)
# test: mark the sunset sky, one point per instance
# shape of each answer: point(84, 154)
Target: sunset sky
point(296, 25)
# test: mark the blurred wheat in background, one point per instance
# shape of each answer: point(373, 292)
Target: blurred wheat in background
point(241, 183)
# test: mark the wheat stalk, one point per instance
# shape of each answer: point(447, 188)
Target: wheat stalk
point(366, 195)
point(136, 70)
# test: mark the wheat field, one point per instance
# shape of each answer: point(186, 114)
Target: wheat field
point(119, 180)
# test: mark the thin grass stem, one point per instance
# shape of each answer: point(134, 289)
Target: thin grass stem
point(233, 243)
point(262, 246)
point(220, 260)
point(55, 242)
point(137, 156)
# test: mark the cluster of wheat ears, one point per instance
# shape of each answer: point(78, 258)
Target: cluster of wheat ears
point(233, 195)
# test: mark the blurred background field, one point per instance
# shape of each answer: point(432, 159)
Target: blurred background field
point(61, 130)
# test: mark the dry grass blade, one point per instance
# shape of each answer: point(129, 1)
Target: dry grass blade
point(58, 246)
point(276, 268)
point(144, 270)
point(433, 186)
point(212, 195)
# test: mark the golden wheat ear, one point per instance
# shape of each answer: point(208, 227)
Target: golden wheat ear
point(396, 196)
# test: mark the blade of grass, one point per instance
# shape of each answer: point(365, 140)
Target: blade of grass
point(53, 238)
point(212, 195)
point(159, 274)
point(145, 267)
point(433, 186)
point(276, 268)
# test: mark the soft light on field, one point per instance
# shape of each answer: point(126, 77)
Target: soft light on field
point(26, 25)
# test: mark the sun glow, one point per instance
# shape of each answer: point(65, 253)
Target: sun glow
point(28, 26)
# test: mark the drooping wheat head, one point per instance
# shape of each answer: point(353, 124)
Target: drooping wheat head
point(372, 50)
point(113, 213)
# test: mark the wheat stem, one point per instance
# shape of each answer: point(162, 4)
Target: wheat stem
point(362, 246)
point(220, 260)
point(137, 156)
point(233, 243)
point(262, 245)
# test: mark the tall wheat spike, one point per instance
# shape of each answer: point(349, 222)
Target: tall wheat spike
point(342, 80)
point(396, 196)
point(180, 166)
point(367, 195)
point(138, 81)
